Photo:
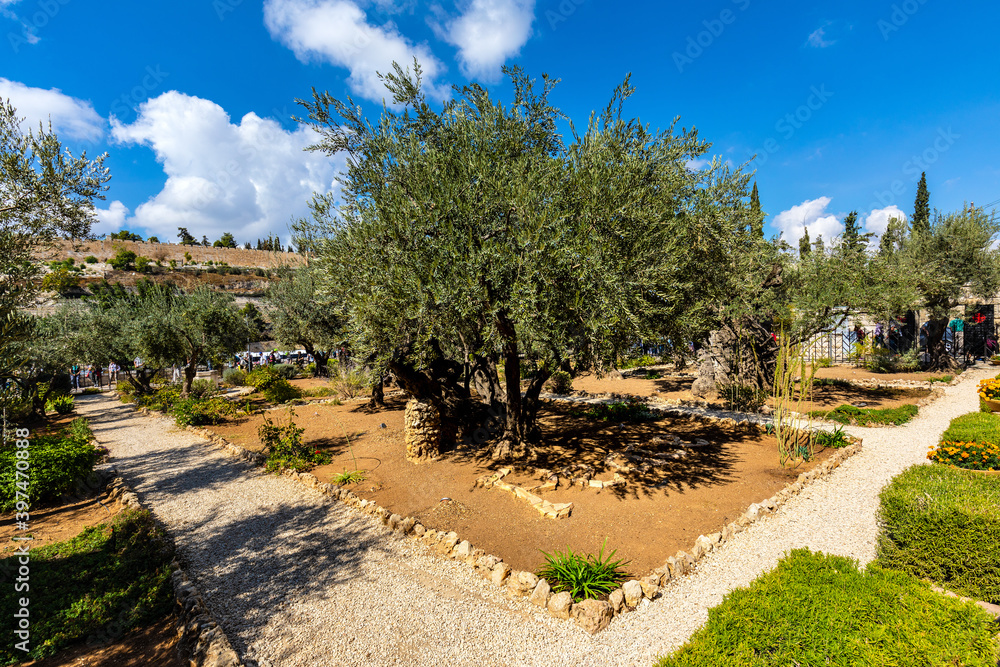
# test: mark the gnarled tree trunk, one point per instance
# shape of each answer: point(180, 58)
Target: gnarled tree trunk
point(740, 352)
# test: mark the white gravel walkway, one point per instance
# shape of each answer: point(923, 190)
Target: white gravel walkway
point(296, 579)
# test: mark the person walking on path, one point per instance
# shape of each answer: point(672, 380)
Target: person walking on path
point(98, 376)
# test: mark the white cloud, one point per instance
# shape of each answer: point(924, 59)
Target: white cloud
point(487, 33)
point(110, 219)
point(249, 178)
point(71, 117)
point(338, 32)
point(818, 39)
point(878, 219)
point(809, 214)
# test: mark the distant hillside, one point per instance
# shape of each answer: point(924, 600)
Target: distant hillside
point(164, 252)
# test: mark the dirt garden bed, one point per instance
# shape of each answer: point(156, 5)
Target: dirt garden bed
point(678, 388)
point(658, 512)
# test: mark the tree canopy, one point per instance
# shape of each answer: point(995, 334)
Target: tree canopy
point(475, 242)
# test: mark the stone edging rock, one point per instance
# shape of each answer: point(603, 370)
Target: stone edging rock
point(203, 643)
point(591, 615)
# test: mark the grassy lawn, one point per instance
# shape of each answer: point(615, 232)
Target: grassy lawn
point(848, 414)
point(974, 427)
point(95, 587)
point(816, 609)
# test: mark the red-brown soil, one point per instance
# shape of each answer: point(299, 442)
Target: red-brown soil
point(851, 373)
point(154, 645)
point(653, 517)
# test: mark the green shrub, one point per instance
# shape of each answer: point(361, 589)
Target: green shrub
point(281, 392)
point(202, 411)
point(848, 414)
point(815, 609)
point(822, 362)
point(260, 272)
point(287, 371)
point(943, 524)
point(234, 377)
point(632, 410)
point(163, 399)
point(561, 382)
point(90, 259)
point(261, 378)
point(62, 405)
point(836, 439)
point(944, 379)
point(880, 361)
point(742, 398)
point(285, 448)
point(143, 264)
point(55, 463)
point(310, 369)
point(909, 362)
point(347, 381)
point(123, 261)
point(832, 382)
point(584, 577)
point(638, 362)
point(203, 388)
point(109, 579)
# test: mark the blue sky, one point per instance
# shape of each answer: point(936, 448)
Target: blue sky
point(843, 103)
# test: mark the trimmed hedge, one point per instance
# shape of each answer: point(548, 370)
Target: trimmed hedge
point(821, 610)
point(943, 524)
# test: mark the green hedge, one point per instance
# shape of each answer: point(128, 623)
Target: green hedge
point(55, 463)
point(820, 610)
point(943, 524)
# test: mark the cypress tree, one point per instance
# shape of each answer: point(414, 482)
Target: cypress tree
point(756, 215)
point(921, 207)
point(804, 245)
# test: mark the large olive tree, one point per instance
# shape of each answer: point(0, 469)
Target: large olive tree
point(475, 245)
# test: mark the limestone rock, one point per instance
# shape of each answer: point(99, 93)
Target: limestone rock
point(650, 586)
point(501, 572)
point(559, 604)
point(522, 583)
point(592, 615)
point(394, 521)
point(540, 596)
point(463, 549)
point(407, 525)
point(617, 600)
point(633, 593)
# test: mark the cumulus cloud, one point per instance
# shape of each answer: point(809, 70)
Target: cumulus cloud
point(818, 39)
point(811, 214)
point(71, 117)
point(110, 219)
point(248, 178)
point(878, 219)
point(487, 33)
point(338, 32)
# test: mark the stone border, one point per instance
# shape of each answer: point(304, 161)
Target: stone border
point(202, 641)
point(591, 615)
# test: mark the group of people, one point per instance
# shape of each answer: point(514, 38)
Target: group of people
point(93, 374)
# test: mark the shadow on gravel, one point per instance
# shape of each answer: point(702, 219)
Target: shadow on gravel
point(250, 557)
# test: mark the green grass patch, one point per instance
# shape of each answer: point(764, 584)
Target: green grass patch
point(848, 414)
point(832, 382)
point(943, 524)
point(52, 465)
point(107, 580)
point(622, 411)
point(816, 609)
point(944, 378)
point(974, 427)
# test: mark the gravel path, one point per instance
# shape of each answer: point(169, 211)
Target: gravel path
point(296, 579)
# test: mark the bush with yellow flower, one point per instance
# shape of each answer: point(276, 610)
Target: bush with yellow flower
point(968, 455)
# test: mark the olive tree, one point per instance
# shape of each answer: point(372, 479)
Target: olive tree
point(475, 246)
point(302, 316)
